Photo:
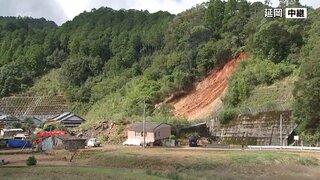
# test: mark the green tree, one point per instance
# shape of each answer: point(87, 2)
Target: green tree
point(307, 93)
point(214, 15)
point(272, 41)
point(230, 11)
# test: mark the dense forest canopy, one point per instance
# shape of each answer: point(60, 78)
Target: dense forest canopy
point(105, 62)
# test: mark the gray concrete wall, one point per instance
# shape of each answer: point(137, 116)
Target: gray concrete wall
point(254, 129)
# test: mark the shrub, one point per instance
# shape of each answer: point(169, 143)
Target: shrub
point(196, 134)
point(173, 176)
point(172, 137)
point(16, 125)
point(31, 161)
point(226, 116)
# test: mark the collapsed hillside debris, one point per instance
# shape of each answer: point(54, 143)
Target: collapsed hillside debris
point(205, 98)
point(106, 131)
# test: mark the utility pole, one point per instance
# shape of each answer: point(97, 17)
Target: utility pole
point(281, 130)
point(144, 123)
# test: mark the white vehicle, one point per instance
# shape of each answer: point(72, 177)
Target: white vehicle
point(10, 132)
point(93, 142)
point(20, 136)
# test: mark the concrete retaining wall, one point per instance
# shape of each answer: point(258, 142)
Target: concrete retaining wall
point(254, 129)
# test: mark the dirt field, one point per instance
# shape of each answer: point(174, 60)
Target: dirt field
point(117, 162)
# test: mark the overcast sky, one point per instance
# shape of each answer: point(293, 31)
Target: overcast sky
point(62, 10)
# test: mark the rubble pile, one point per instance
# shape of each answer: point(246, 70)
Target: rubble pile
point(106, 131)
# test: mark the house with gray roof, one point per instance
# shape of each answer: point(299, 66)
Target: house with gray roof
point(68, 119)
point(153, 133)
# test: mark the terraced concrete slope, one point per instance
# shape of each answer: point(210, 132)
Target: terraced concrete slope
point(205, 98)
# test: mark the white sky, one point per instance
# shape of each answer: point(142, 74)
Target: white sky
point(75, 7)
point(62, 10)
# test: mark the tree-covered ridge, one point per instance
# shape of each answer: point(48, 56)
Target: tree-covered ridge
point(275, 46)
point(164, 57)
point(106, 62)
point(22, 54)
point(12, 23)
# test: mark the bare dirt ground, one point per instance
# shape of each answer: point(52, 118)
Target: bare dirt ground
point(205, 98)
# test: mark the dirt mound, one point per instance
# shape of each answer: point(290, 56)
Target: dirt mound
point(107, 132)
point(205, 98)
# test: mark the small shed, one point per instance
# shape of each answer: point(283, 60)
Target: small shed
point(72, 142)
point(154, 132)
point(68, 119)
point(51, 142)
point(62, 142)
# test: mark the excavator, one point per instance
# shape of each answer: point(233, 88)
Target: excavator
point(52, 125)
point(49, 128)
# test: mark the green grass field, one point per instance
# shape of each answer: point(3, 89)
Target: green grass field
point(165, 163)
point(93, 173)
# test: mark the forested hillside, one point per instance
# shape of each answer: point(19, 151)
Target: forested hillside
point(307, 88)
point(21, 55)
point(106, 62)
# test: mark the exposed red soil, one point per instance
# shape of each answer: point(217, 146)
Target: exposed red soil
point(205, 98)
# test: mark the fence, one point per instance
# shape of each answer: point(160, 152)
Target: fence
point(301, 148)
point(33, 106)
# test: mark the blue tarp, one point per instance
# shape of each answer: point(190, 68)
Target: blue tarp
point(18, 143)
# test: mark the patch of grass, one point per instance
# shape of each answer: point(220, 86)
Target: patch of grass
point(278, 93)
point(128, 161)
point(308, 161)
point(256, 158)
point(199, 166)
point(226, 116)
point(243, 158)
point(170, 175)
point(47, 85)
point(187, 164)
point(74, 173)
point(173, 175)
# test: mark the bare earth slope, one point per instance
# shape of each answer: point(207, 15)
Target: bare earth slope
point(205, 98)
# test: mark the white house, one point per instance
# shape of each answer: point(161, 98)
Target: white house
point(154, 132)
